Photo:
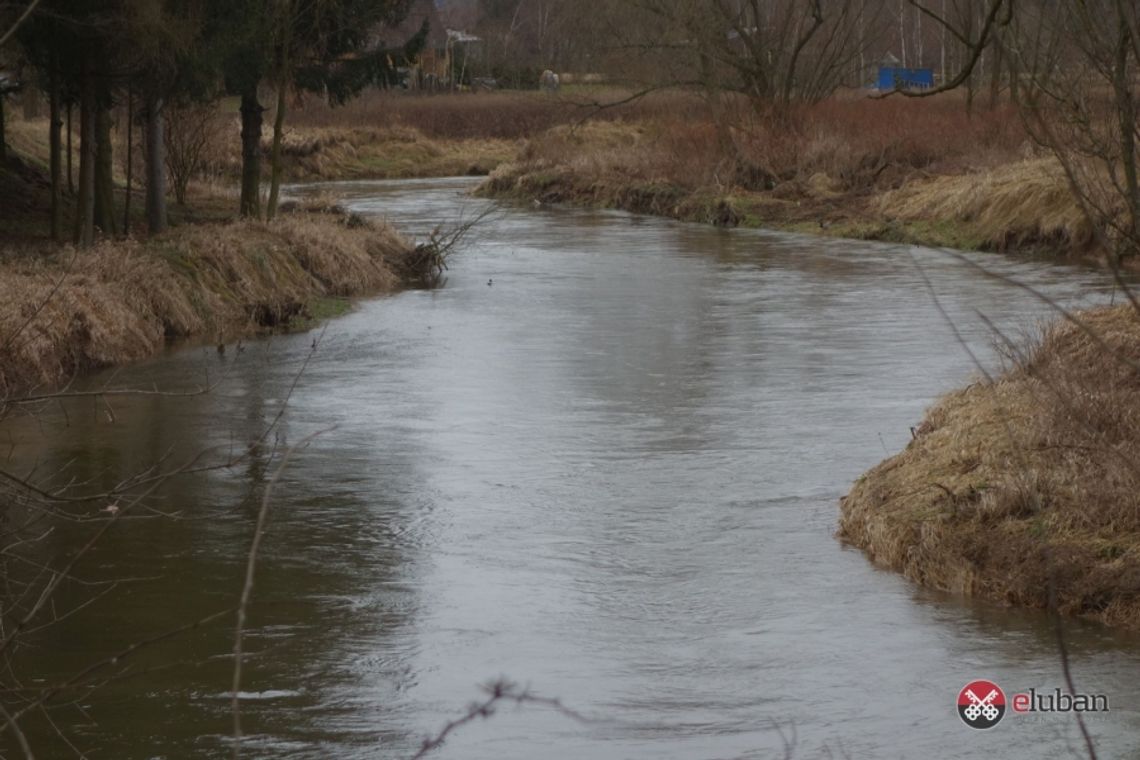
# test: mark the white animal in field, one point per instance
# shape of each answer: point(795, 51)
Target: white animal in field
point(548, 81)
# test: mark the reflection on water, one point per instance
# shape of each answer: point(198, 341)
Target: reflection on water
point(612, 475)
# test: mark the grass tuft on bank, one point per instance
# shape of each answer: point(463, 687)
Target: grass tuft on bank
point(1026, 486)
point(68, 310)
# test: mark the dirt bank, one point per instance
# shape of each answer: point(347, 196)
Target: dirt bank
point(1024, 486)
point(65, 311)
point(919, 214)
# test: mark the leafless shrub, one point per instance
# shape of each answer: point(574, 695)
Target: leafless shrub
point(192, 133)
point(428, 262)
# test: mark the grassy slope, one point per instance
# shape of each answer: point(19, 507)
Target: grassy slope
point(74, 310)
point(1024, 485)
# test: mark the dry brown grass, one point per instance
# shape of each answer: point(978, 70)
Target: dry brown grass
point(857, 144)
point(489, 115)
point(379, 153)
point(392, 135)
point(504, 116)
point(120, 300)
point(1009, 206)
point(837, 165)
point(1028, 483)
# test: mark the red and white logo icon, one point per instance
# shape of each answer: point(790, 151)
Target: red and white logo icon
point(981, 704)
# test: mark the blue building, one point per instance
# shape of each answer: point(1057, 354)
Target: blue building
point(900, 78)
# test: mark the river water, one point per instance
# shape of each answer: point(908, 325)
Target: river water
point(603, 461)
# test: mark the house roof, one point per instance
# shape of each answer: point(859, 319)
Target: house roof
point(421, 11)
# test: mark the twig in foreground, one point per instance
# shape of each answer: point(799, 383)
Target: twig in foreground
point(247, 586)
point(497, 691)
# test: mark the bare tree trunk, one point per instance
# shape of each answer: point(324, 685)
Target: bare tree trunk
point(995, 74)
point(284, 75)
point(31, 103)
point(902, 31)
point(981, 58)
point(85, 206)
point(155, 167)
point(942, 42)
point(861, 79)
point(1126, 112)
point(130, 159)
point(23, 17)
point(104, 172)
point(251, 111)
point(55, 140)
point(1014, 77)
point(3, 135)
point(275, 156)
point(70, 175)
point(920, 54)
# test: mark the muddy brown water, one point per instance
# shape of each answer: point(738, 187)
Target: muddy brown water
point(603, 461)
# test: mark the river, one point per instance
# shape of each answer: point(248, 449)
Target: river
point(603, 461)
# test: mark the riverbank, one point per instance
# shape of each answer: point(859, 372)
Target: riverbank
point(332, 153)
point(66, 311)
point(1021, 207)
point(1000, 197)
point(1026, 487)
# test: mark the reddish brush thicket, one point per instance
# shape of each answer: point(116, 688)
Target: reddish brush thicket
point(492, 115)
point(858, 142)
point(697, 141)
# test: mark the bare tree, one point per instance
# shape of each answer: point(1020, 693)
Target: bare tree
point(190, 132)
point(15, 25)
point(775, 52)
point(1073, 70)
point(1081, 103)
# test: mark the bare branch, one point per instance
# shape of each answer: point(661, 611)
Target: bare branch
point(975, 49)
point(497, 691)
point(23, 17)
point(247, 586)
